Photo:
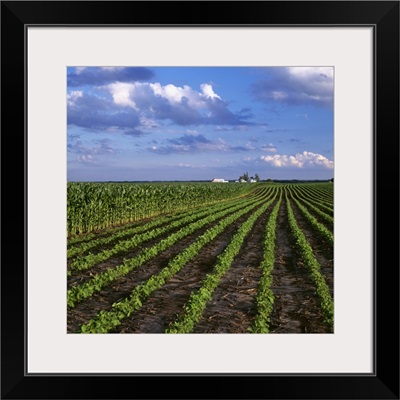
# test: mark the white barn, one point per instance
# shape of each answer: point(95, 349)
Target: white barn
point(219, 180)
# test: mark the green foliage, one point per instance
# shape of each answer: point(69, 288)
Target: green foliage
point(108, 320)
point(317, 227)
point(306, 253)
point(92, 205)
point(265, 296)
point(216, 211)
point(99, 281)
point(197, 302)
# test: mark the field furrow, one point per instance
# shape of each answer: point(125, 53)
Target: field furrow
point(120, 288)
point(232, 308)
point(323, 250)
point(296, 306)
point(259, 260)
point(158, 312)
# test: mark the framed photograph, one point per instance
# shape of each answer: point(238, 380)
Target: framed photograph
point(206, 190)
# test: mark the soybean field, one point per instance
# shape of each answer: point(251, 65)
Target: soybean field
point(199, 257)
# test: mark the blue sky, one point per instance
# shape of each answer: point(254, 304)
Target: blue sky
point(199, 123)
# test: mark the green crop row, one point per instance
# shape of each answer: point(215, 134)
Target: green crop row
point(116, 234)
point(105, 320)
point(198, 300)
point(121, 234)
point(315, 194)
point(124, 246)
point(265, 296)
point(306, 253)
point(92, 205)
point(320, 229)
point(99, 281)
point(313, 198)
point(326, 217)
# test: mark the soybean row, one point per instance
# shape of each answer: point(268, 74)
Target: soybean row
point(167, 244)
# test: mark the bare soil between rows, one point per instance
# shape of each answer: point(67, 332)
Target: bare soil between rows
point(233, 307)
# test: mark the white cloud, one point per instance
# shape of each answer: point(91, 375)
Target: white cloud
point(73, 96)
point(121, 93)
point(319, 81)
point(208, 91)
point(85, 158)
point(306, 159)
point(171, 92)
point(127, 93)
point(310, 72)
point(297, 86)
point(250, 146)
point(269, 147)
point(180, 104)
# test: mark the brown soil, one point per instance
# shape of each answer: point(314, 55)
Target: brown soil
point(296, 307)
point(232, 307)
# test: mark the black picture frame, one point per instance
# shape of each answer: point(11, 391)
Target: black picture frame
point(383, 383)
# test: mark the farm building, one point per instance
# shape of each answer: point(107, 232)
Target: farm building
point(219, 180)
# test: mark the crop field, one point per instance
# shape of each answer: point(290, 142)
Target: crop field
point(200, 258)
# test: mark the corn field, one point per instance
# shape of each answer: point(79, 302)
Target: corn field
point(92, 206)
point(200, 258)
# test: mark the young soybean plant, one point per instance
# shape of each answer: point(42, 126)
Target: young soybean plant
point(198, 300)
point(105, 321)
point(265, 297)
point(311, 263)
point(99, 281)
